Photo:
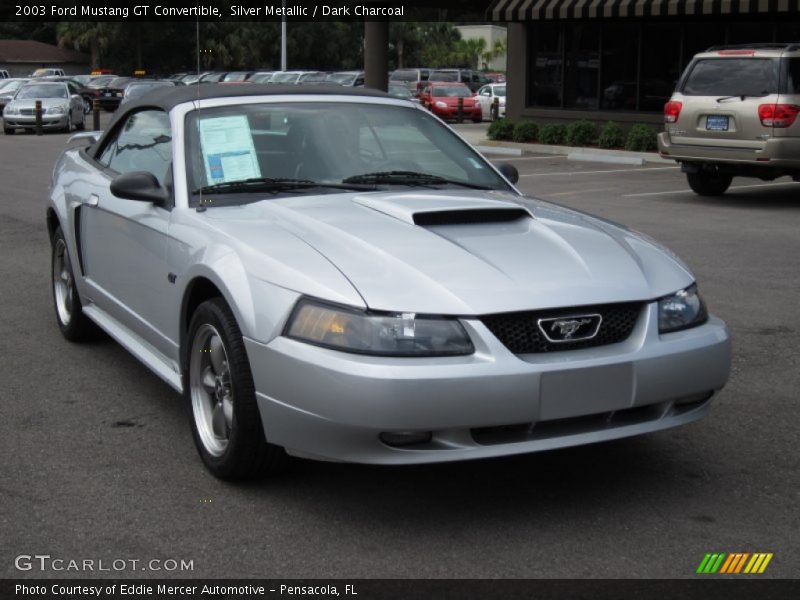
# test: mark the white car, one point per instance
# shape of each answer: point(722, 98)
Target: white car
point(486, 97)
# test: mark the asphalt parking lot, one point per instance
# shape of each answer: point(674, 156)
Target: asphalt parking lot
point(99, 461)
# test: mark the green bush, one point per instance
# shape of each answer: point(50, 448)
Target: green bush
point(553, 134)
point(611, 136)
point(525, 131)
point(581, 133)
point(641, 138)
point(502, 129)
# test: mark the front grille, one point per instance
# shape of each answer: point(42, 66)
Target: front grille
point(520, 333)
point(28, 111)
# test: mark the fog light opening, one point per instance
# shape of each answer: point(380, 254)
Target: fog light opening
point(405, 438)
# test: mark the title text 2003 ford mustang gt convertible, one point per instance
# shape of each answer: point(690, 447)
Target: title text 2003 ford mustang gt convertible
point(337, 275)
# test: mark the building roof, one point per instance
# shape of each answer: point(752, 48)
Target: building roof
point(30, 51)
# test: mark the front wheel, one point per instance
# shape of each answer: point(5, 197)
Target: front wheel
point(8, 130)
point(226, 423)
point(74, 325)
point(708, 184)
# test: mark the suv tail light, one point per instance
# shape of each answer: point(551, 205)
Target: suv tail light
point(672, 111)
point(778, 115)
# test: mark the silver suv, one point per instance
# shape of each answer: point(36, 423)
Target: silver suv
point(734, 113)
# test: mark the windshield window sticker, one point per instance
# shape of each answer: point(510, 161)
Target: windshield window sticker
point(228, 150)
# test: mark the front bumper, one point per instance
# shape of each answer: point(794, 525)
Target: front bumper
point(330, 405)
point(29, 121)
point(452, 113)
point(778, 152)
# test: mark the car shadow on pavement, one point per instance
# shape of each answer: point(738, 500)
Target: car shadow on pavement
point(787, 198)
point(619, 475)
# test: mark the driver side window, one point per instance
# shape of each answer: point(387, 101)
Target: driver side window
point(143, 143)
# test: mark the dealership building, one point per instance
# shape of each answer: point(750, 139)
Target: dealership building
point(620, 59)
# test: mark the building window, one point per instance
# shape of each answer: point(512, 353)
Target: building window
point(582, 66)
point(660, 64)
point(620, 62)
point(546, 57)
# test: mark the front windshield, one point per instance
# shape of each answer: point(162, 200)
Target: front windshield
point(327, 143)
point(451, 92)
point(399, 91)
point(41, 91)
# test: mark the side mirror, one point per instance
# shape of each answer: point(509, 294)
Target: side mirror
point(509, 172)
point(139, 185)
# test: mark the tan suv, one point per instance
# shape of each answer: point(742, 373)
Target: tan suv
point(734, 113)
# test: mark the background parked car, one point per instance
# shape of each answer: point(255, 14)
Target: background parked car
point(62, 109)
point(9, 87)
point(140, 87)
point(212, 77)
point(349, 78)
point(486, 97)
point(442, 99)
point(4, 74)
point(110, 95)
point(262, 77)
point(413, 79)
point(87, 93)
point(472, 79)
point(236, 77)
point(399, 90)
point(44, 72)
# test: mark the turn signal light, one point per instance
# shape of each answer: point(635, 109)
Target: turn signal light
point(672, 111)
point(778, 115)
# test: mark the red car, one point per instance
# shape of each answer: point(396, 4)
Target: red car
point(442, 98)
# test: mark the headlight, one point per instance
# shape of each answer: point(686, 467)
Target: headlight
point(10, 109)
point(381, 334)
point(681, 310)
point(56, 110)
point(440, 104)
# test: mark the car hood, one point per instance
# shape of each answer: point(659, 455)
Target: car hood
point(455, 252)
point(46, 102)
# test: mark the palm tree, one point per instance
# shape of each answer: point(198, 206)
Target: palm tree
point(95, 37)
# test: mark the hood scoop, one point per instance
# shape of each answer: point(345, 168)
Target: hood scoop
point(431, 209)
point(473, 216)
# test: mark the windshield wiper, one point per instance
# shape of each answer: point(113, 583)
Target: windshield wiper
point(269, 184)
point(743, 96)
point(409, 178)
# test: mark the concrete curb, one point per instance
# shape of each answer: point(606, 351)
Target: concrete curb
point(499, 150)
point(574, 153)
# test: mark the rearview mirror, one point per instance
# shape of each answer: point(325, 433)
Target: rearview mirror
point(139, 185)
point(509, 172)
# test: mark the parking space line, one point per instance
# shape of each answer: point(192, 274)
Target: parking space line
point(735, 187)
point(550, 156)
point(638, 169)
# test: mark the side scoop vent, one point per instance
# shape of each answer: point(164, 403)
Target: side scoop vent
point(470, 216)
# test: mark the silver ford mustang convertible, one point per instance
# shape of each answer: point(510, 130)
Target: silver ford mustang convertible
point(338, 275)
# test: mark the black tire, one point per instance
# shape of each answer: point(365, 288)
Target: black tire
point(82, 125)
point(74, 325)
point(8, 130)
point(478, 119)
point(707, 184)
point(245, 452)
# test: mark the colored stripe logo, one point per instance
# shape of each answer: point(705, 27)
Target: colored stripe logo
point(734, 563)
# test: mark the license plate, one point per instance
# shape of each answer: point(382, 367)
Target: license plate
point(107, 94)
point(716, 123)
point(593, 390)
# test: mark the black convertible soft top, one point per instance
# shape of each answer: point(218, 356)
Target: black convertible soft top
point(168, 98)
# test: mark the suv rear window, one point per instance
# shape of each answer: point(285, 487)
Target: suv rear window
point(793, 76)
point(733, 77)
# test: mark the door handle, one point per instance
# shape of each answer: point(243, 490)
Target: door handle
point(94, 200)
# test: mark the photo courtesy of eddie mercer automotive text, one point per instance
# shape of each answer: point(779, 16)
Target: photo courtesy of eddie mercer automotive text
point(334, 273)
